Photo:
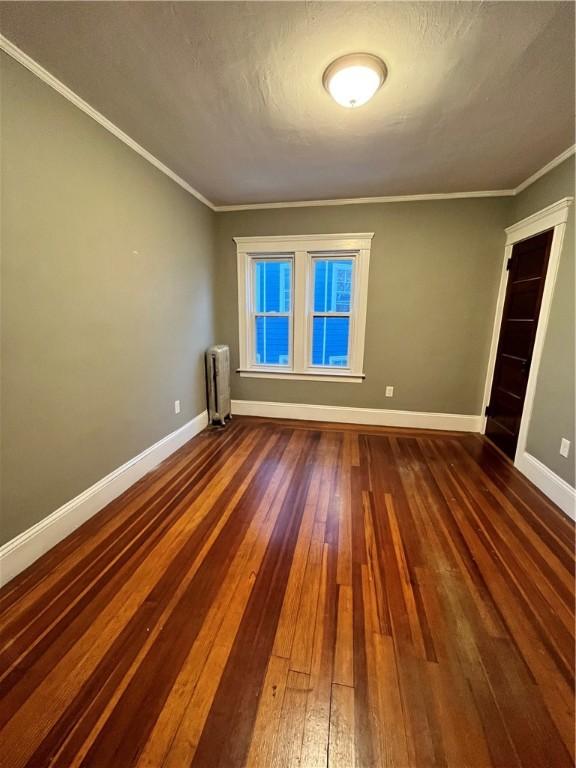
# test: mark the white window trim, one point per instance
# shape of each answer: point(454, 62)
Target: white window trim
point(302, 249)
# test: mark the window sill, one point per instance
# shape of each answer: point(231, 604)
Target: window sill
point(350, 378)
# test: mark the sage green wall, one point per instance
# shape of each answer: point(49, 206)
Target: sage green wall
point(434, 273)
point(553, 415)
point(107, 282)
point(106, 301)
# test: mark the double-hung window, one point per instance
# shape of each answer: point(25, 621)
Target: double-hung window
point(271, 321)
point(331, 310)
point(302, 306)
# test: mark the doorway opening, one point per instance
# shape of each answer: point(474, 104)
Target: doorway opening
point(527, 268)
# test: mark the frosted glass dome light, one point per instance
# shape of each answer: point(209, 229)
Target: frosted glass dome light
point(352, 80)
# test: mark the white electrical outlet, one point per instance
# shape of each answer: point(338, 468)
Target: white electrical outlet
point(564, 447)
point(389, 391)
point(176, 406)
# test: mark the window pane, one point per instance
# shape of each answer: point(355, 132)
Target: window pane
point(272, 340)
point(332, 285)
point(330, 341)
point(273, 286)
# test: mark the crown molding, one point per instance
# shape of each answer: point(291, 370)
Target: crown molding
point(407, 198)
point(365, 200)
point(545, 169)
point(27, 61)
point(16, 53)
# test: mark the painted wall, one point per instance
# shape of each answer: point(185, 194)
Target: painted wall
point(553, 415)
point(433, 283)
point(106, 301)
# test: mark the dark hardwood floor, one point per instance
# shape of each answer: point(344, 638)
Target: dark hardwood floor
point(298, 594)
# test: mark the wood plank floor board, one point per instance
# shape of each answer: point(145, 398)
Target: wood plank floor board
point(284, 593)
point(88, 538)
point(80, 623)
point(315, 741)
point(186, 584)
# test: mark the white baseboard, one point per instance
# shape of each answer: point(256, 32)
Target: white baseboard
point(558, 490)
point(368, 416)
point(23, 550)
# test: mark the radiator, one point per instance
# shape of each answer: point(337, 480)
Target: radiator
point(218, 383)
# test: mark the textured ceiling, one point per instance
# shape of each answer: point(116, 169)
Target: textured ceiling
point(229, 95)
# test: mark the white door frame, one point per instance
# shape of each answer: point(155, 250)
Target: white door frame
point(553, 216)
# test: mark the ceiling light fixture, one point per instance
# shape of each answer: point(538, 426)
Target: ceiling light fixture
point(353, 79)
